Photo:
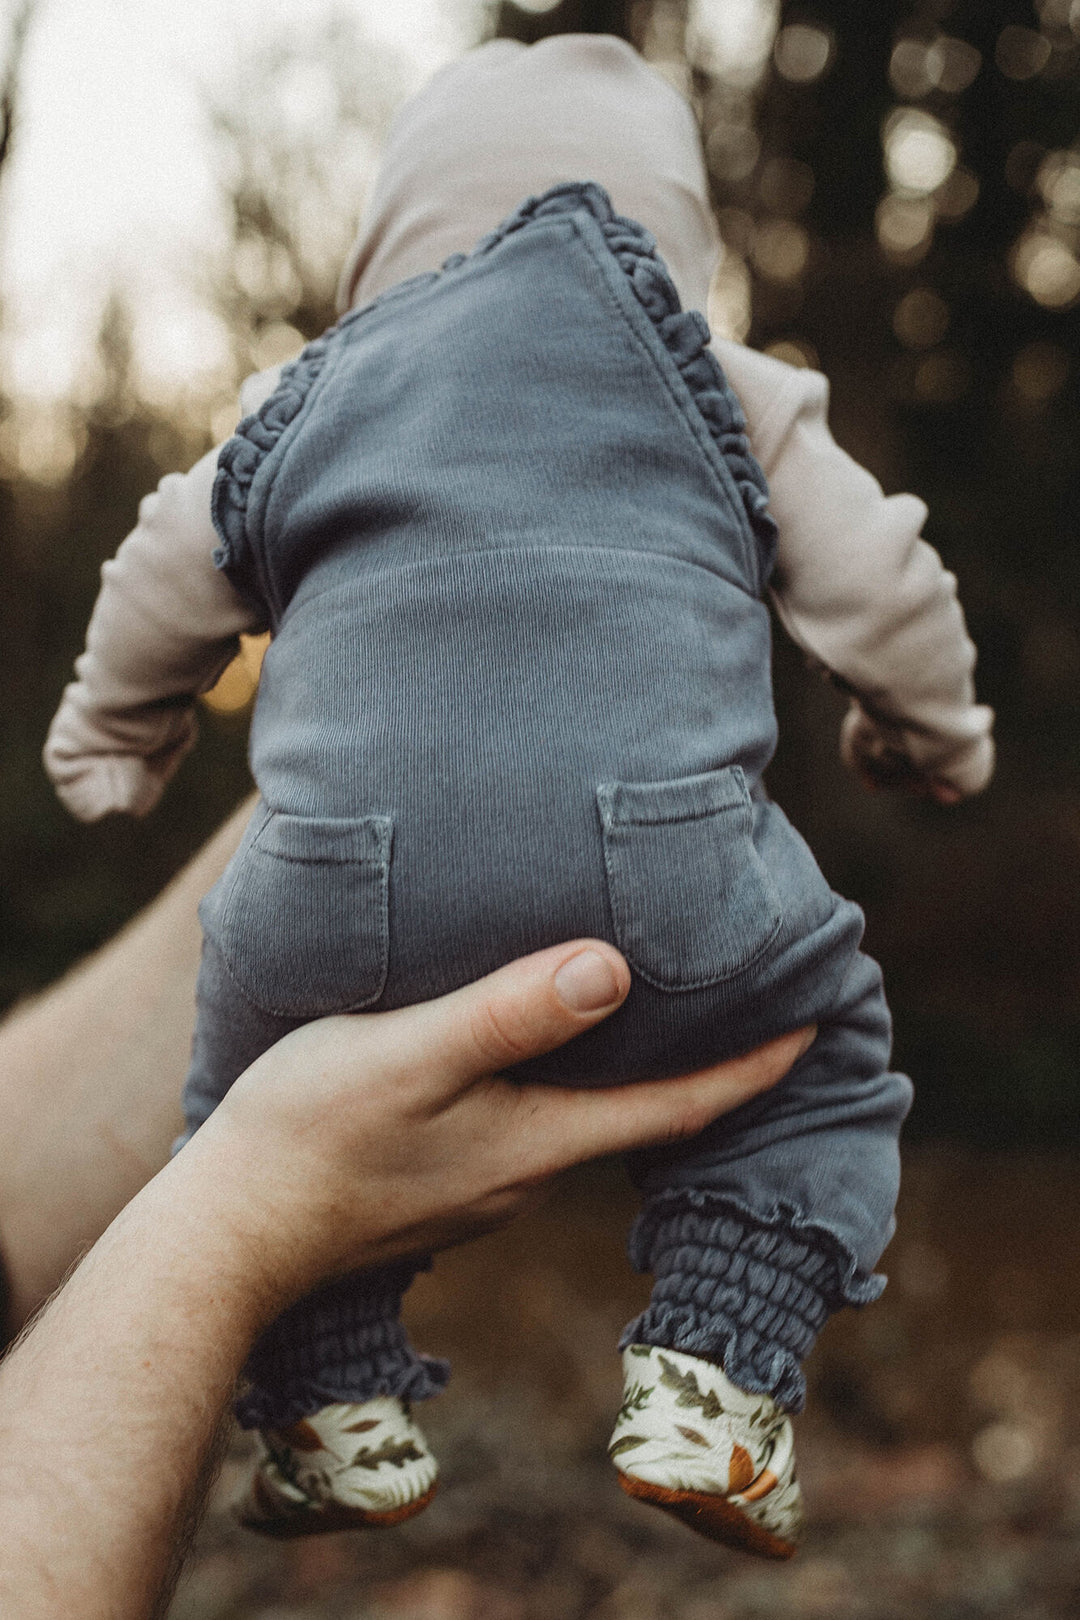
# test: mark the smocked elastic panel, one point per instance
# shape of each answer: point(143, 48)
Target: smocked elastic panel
point(342, 1343)
point(750, 1296)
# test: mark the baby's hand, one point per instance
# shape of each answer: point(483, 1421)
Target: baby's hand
point(882, 765)
point(887, 754)
point(891, 771)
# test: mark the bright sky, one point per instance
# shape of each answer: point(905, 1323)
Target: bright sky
point(112, 180)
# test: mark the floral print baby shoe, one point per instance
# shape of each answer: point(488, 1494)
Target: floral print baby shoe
point(690, 1442)
point(343, 1468)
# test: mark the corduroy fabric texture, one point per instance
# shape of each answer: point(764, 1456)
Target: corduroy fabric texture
point(513, 543)
point(238, 514)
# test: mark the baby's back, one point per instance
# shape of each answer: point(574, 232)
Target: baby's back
point(513, 545)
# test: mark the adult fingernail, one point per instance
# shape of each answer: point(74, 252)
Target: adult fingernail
point(587, 983)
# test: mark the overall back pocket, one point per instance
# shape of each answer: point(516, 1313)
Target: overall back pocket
point(691, 900)
point(301, 914)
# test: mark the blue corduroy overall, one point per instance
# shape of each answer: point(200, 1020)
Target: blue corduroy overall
point(510, 537)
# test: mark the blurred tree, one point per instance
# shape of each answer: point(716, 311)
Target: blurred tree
point(66, 886)
point(296, 131)
point(18, 33)
point(910, 223)
point(296, 134)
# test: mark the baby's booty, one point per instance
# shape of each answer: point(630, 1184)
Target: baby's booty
point(687, 1440)
point(343, 1468)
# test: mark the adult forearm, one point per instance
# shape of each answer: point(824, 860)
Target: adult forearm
point(110, 1405)
point(90, 1078)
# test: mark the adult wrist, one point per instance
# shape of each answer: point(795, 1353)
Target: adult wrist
point(229, 1185)
point(222, 1234)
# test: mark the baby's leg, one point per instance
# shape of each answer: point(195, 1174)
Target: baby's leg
point(769, 1221)
point(342, 1345)
point(776, 1215)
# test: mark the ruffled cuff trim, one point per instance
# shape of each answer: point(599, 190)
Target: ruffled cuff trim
point(421, 1379)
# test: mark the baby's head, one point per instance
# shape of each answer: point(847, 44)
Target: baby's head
point(508, 121)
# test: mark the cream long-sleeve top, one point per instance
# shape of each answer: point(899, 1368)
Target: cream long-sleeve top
point(855, 585)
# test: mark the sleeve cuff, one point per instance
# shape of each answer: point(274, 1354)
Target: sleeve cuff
point(96, 773)
point(966, 764)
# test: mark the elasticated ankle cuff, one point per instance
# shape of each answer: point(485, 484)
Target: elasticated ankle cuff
point(343, 1343)
point(750, 1296)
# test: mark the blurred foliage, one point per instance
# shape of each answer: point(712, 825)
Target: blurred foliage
point(898, 187)
point(902, 185)
point(296, 139)
point(67, 887)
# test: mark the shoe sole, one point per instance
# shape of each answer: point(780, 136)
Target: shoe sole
point(322, 1519)
point(710, 1516)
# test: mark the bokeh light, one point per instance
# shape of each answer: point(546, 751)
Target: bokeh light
point(952, 64)
point(919, 152)
point(921, 318)
point(1021, 53)
point(919, 66)
point(1039, 371)
point(904, 227)
point(802, 52)
point(732, 149)
point(796, 352)
point(1004, 1452)
point(265, 272)
point(957, 196)
point(909, 72)
point(239, 681)
point(786, 185)
point(41, 441)
point(1058, 182)
point(731, 39)
point(275, 344)
point(737, 229)
point(223, 414)
point(781, 250)
point(1055, 14)
point(1047, 269)
point(730, 298)
point(942, 377)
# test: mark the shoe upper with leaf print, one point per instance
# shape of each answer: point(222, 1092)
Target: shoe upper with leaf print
point(348, 1466)
point(689, 1441)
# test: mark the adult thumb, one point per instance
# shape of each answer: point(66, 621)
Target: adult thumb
point(523, 1009)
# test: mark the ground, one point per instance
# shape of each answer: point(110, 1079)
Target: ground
point(940, 1449)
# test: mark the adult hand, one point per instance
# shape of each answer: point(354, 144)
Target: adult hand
point(361, 1137)
point(352, 1140)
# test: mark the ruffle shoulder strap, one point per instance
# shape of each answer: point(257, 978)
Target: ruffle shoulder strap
point(685, 334)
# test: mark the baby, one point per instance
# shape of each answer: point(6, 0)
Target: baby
point(510, 534)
